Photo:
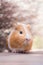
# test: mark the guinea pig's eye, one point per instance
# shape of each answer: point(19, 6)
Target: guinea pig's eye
point(21, 32)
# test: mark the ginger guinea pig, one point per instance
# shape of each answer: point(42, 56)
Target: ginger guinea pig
point(20, 38)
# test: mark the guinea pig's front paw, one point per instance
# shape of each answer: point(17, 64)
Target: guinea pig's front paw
point(23, 52)
point(14, 51)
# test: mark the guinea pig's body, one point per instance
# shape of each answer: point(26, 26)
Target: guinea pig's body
point(20, 38)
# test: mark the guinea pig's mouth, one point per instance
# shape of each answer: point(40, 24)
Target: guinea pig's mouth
point(26, 42)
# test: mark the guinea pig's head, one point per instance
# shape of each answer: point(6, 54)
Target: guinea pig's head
point(20, 37)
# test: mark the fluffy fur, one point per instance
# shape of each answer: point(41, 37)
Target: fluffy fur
point(20, 38)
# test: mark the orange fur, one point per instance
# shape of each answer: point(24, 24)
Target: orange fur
point(17, 40)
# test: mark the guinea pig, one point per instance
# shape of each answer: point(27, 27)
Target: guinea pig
point(20, 38)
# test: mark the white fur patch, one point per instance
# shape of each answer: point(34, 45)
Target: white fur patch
point(26, 31)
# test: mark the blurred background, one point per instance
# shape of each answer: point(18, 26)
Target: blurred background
point(25, 11)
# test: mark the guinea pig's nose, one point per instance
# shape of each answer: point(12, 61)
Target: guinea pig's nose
point(27, 39)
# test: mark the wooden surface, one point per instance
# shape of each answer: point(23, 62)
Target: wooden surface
point(21, 59)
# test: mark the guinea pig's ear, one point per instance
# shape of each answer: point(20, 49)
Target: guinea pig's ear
point(28, 26)
point(14, 25)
